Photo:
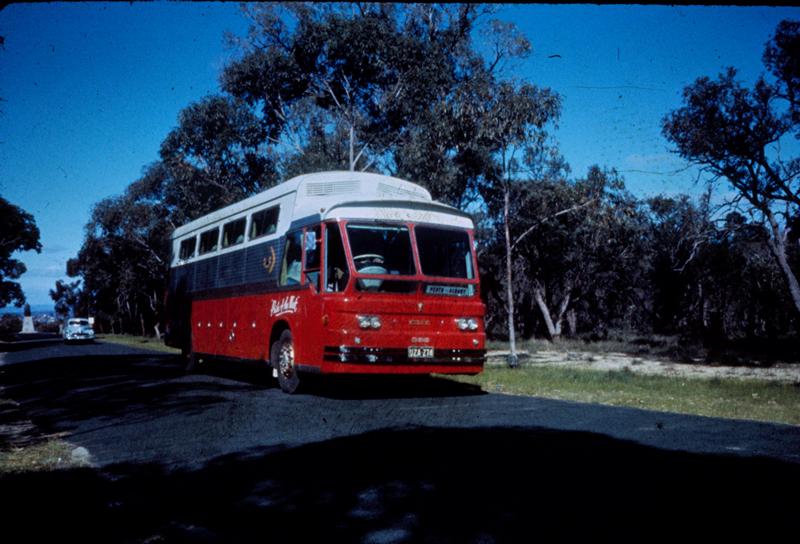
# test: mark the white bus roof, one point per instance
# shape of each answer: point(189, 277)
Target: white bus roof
point(334, 192)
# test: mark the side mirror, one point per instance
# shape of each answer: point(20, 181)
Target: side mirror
point(311, 240)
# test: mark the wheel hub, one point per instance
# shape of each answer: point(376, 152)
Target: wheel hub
point(286, 360)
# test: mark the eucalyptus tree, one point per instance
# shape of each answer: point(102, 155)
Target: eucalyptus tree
point(18, 232)
point(124, 260)
point(736, 134)
point(213, 157)
point(367, 87)
point(69, 299)
point(511, 125)
point(577, 256)
point(712, 279)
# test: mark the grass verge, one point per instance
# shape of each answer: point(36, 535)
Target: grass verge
point(51, 454)
point(143, 342)
point(23, 449)
point(725, 398)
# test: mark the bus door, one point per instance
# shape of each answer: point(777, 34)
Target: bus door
point(336, 271)
point(309, 349)
point(312, 246)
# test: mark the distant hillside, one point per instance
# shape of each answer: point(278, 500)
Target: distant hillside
point(35, 309)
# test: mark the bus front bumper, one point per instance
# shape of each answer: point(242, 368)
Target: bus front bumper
point(380, 360)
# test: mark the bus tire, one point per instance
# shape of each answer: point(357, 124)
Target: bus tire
point(282, 356)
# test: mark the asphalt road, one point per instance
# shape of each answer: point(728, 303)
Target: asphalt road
point(224, 455)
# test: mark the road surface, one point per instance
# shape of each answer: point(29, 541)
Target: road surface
point(224, 455)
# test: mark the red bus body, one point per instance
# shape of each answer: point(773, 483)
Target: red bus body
point(415, 322)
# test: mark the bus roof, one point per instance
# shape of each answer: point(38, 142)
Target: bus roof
point(313, 194)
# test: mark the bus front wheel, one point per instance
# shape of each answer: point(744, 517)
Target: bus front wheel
point(282, 355)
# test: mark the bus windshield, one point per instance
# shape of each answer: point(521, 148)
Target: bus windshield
point(444, 252)
point(379, 249)
point(386, 250)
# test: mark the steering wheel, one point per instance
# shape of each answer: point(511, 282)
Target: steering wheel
point(371, 256)
point(371, 263)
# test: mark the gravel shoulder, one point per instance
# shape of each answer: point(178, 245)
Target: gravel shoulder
point(782, 372)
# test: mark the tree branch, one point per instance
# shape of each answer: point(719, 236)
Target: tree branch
point(562, 212)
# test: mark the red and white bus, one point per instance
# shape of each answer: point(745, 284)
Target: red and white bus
point(334, 272)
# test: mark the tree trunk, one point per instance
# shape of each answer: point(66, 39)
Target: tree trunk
point(513, 360)
point(553, 328)
point(572, 322)
point(158, 331)
point(778, 245)
point(352, 146)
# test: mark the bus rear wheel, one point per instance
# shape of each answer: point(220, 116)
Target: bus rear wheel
point(282, 356)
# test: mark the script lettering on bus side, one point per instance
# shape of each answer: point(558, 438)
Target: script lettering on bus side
point(286, 305)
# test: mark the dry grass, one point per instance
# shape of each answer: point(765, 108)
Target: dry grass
point(50, 454)
point(143, 342)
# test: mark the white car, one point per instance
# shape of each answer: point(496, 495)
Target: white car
point(78, 329)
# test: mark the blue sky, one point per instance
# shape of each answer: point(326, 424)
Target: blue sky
point(90, 90)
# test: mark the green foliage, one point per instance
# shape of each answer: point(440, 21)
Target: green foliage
point(18, 232)
point(69, 299)
point(124, 261)
point(208, 161)
point(10, 324)
point(713, 280)
point(581, 264)
point(782, 59)
point(735, 134)
point(381, 87)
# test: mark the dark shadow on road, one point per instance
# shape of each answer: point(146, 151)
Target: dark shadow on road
point(343, 387)
point(59, 393)
point(254, 373)
point(386, 387)
point(22, 342)
point(415, 485)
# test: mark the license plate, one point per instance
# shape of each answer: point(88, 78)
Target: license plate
point(419, 352)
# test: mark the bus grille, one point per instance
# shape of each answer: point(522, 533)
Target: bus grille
point(399, 356)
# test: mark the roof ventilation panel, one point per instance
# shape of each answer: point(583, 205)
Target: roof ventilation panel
point(325, 188)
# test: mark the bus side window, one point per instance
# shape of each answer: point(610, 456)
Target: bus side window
point(208, 241)
point(290, 267)
point(336, 273)
point(264, 222)
point(187, 248)
point(233, 233)
point(313, 241)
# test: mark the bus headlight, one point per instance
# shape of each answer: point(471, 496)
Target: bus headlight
point(467, 324)
point(369, 321)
